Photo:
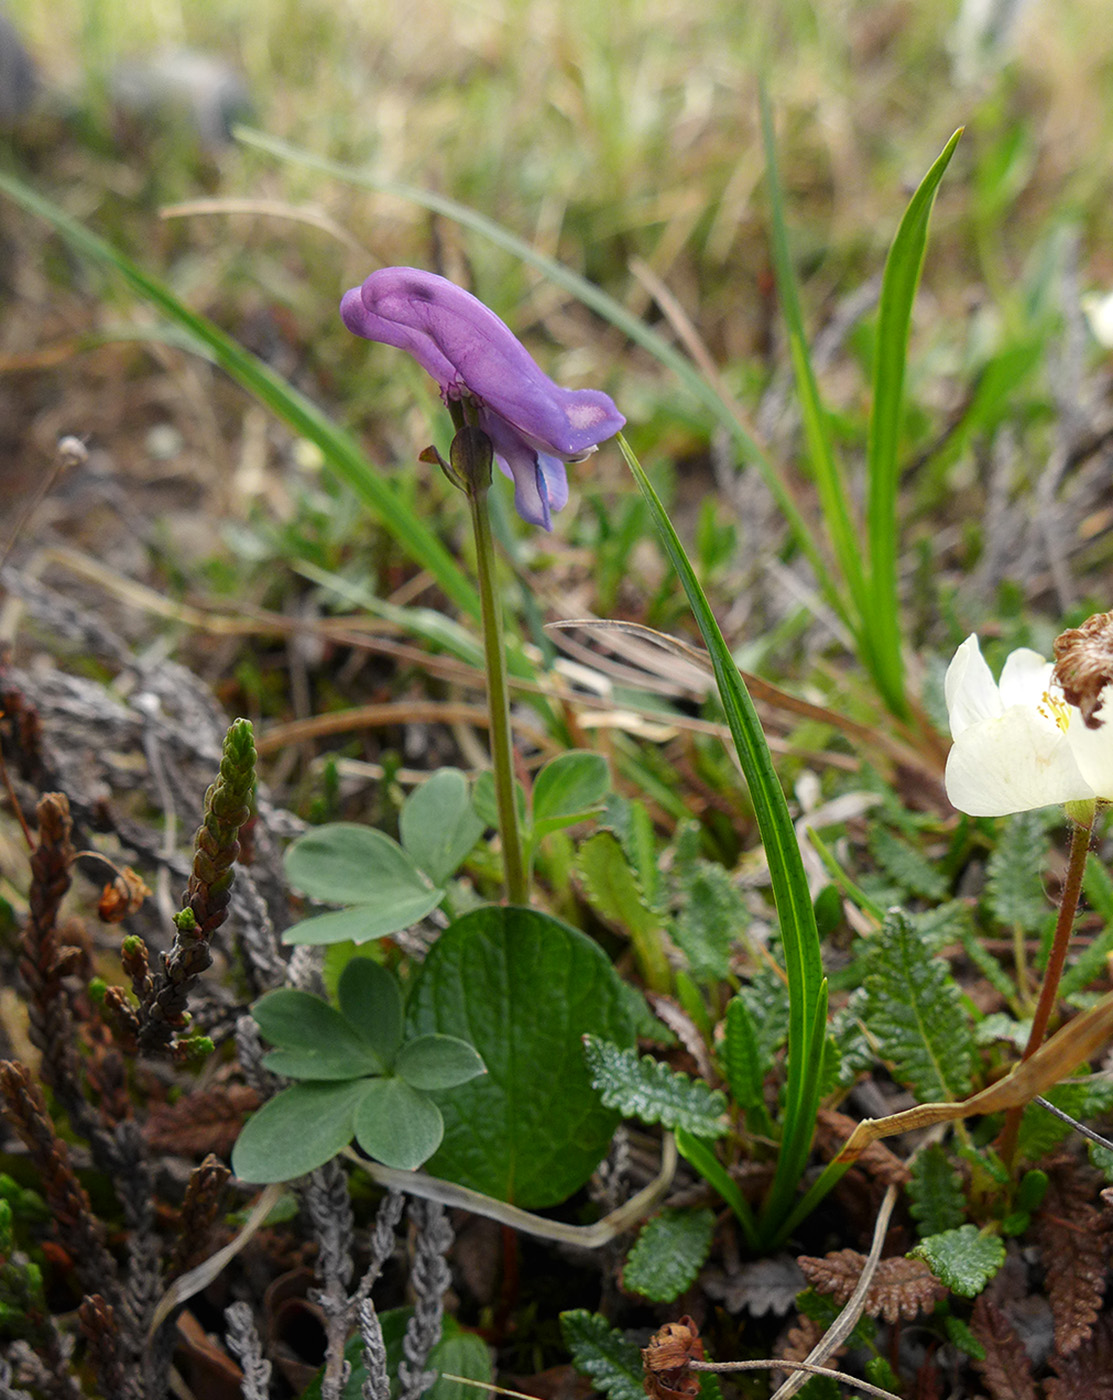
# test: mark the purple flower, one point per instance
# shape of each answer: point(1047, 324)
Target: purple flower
point(534, 425)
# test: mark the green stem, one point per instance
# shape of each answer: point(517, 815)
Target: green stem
point(1068, 906)
point(498, 699)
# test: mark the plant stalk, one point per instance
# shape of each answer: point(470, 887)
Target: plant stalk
point(498, 698)
point(1068, 907)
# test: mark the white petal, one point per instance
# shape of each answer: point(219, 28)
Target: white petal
point(1013, 763)
point(1093, 748)
point(1025, 677)
point(969, 688)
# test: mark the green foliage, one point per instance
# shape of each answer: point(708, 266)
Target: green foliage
point(360, 1078)
point(744, 1063)
point(613, 891)
point(710, 917)
point(668, 1254)
point(438, 825)
point(914, 1014)
point(1041, 1132)
point(567, 789)
point(633, 826)
point(524, 988)
point(1014, 884)
point(611, 1361)
point(964, 1259)
point(358, 866)
point(960, 1335)
point(935, 1192)
point(906, 866)
point(641, 1087)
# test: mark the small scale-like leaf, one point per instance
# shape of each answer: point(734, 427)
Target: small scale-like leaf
point(371, 1002)
point(568, 788)
point(964, 1259)
point(641, 1087)
point(314, 1039)
point(438, 824)
point(611, 1361)
point(397, 1125)
point(362, 922)
point(344, 863)
point(668, 1254)
point(298, 1130)
point(438, 1062)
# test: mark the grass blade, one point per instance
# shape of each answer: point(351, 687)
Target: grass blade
point(340, 449)
point(799, 936)
point(841, 530)
point(594, 298)
point(898, 291)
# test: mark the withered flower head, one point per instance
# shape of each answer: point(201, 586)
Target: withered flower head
point(666, 1361)
point(1084, 665)
point(124, 896)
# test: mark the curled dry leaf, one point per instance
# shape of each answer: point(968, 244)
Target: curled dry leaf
point(207, 1121)
point(666, 1360)
point(900, 1288)
point(122, 896)
point(1005, 1368)
point(1073, 1238)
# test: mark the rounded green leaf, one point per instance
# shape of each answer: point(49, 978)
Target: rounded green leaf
point(438, 825)
point(568, 787)
point(298, 1130)
point(438, 1062)
point(371, 1002)
point(397, 1125)
point(345, 863)
point(314, 1039)
point(363, 922)
point(523, 988)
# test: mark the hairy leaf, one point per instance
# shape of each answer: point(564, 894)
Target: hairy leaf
point(1074, 1245)
point(1041, 1131)
point(906, 866)
point(935, 1190)
point(641, 1087)
point(709, 920)
point(668, 1254)
point(606, 1357)
point(1086, 1374)
point(1014, 885)
point(915, 1015)
point(965, 1259)
point(744, 1064)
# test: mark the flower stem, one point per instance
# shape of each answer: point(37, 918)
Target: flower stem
point(1068, 906)
point(498, 699)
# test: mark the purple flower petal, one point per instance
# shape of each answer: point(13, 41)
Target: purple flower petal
point(534, 423)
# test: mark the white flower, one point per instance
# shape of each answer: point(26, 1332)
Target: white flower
point(1018, 743)
point(1098, 309)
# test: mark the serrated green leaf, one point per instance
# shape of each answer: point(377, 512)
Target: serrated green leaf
point(961, 1336)
point(1040, 1131)
point(906, 866)
point(964, 1259)
point(371, 1002)
point(641, 1087)
point(397, 1124)
point(1014, 884)
point(610, 1361)
point(523, 988)
point(632, 824)
point(668, 1254)
point(709, 920)
point(568, 788)
point(438, 824)
point(613, 891)
point(744, 1062)
point(298, 1130)
point(935, 1191)
point(314, 1040)
point(915, 1015)
point(438, 1062)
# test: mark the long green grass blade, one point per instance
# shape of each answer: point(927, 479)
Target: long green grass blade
point(898, 291)
point(340, 449)
point(799, 936)
point(701, 1155)
point(843, 534)
point(592, 297)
